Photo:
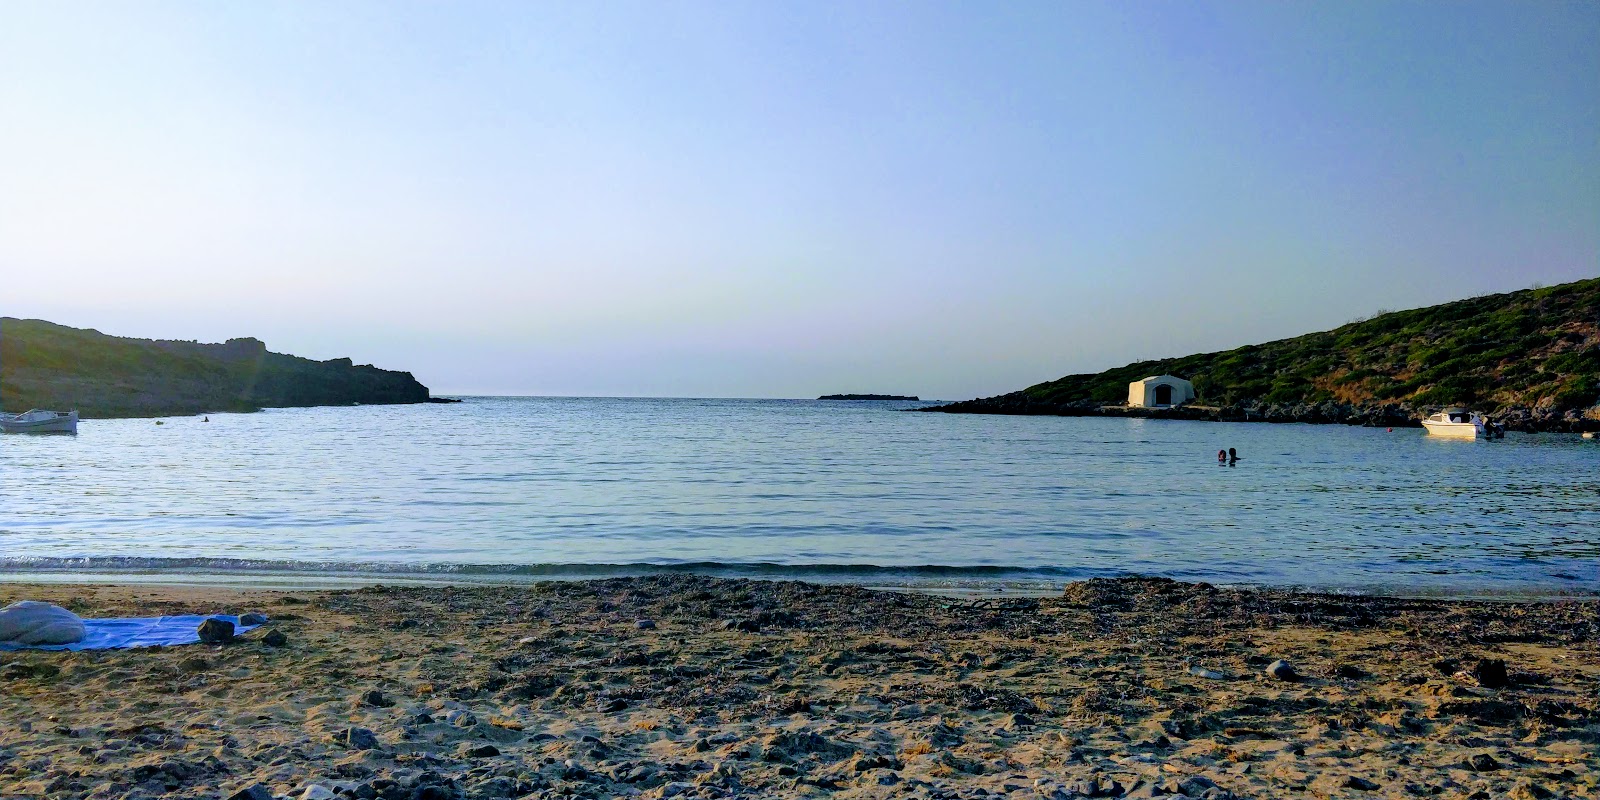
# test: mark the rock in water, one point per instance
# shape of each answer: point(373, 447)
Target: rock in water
point(1282, 670)
point(216, 631)
point(254, 619)
point(33, 622)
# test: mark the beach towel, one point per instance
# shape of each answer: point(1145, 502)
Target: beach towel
point(112, 634)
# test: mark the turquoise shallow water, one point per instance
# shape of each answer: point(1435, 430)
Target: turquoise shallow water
point(519, 488)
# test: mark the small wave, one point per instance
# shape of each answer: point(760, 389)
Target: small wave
point(852, 573)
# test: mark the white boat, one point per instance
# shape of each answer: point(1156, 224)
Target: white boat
point(1455, 423)
point(40, 421)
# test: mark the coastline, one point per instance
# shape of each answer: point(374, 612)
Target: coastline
point(690, 686)
point(1524, 420)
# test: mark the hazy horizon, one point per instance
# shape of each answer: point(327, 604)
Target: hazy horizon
point(785, 200)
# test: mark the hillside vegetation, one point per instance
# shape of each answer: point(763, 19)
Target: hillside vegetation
point(45, 365)
point(1532, 353)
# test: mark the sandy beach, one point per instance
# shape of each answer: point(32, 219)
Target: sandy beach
point(699, 687)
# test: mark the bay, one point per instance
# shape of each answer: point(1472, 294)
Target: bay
point(506, 489)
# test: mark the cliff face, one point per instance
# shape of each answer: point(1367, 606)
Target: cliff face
point(1530, 358)
point(45, 365)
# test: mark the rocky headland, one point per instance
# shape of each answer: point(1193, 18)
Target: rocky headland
point(868, 397)
point(696, 687)
point(45, 365)
point(1530, 359)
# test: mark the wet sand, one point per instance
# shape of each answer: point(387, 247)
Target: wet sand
point(684, 686)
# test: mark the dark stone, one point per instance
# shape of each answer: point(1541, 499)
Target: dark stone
point(645, 625)
point(1283, 671)
point(216, 631)
point(357, 739)
point(194, 664)
point(254, 791)
point(376, 699)
point(479, 751)
point(1482, 762)
point(746, 625)
point(1349, 671)
point(1363, 784)
point(275, 639)
point(608, 706)
point(252, 619)
point(1491, 673)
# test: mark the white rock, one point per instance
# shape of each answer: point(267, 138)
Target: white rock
point(317, 791)
point(33, 622)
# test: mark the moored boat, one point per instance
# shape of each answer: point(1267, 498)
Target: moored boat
point(1456, 423)
point(40, 421)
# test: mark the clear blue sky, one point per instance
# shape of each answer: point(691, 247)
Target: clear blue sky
point(784, 199)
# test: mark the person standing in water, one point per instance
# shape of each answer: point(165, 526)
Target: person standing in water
point(1233, 455)
point(1222, 456)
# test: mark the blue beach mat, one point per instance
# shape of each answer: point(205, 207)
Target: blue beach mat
point(113, 634)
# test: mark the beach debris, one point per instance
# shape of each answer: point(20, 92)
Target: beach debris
point(216, 631)
point(254, 619)
point(375, 699)
point(255, 791)
point(317, 791)
point(15, 672)
point(1491, 673)
point(1097, 787)
point(1202, 672)
point(1282, 670)
point(357, 739)
point(1349, 671)
point(645, 624)
point(1526, 789)
point(275, 639)
point(31, 622)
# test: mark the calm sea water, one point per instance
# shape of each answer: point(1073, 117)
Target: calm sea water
point(519, 488)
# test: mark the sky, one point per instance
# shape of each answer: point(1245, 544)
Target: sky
point(771, 199)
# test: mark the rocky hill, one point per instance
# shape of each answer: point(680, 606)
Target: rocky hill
point(1531, 358)
point(45, 365)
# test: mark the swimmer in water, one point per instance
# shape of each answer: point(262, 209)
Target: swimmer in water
point(1233, 455)
point(1222, 456)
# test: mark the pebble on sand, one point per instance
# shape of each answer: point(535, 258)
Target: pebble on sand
point(1283, 671)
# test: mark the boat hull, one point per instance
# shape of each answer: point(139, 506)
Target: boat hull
point(29, 423)
point(1453, 430)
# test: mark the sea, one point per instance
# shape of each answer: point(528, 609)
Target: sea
point(516, 489)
